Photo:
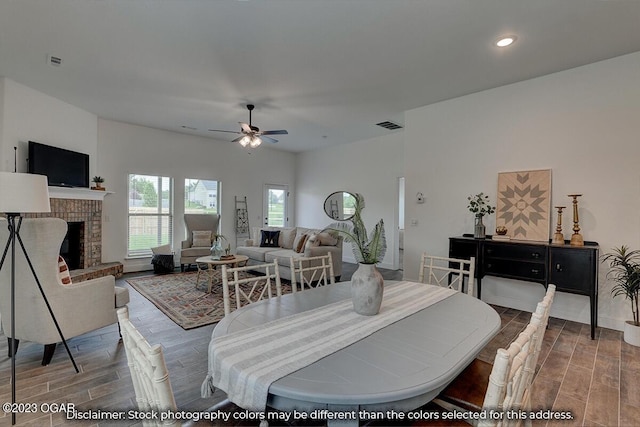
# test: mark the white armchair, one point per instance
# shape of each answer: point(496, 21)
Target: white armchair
point(199, 223)
point(79, 307)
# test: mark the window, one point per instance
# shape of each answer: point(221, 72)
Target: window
point(150, 213)
point(201, 196)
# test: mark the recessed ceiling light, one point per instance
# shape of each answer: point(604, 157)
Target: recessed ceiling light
point(505, 41)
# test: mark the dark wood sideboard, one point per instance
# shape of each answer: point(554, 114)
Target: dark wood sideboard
point(572, 269)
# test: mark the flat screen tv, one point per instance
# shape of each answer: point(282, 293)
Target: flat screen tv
point(63, 168)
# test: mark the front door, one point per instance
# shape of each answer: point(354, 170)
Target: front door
point(276, 200)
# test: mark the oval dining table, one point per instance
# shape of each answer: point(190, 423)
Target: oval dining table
point(400, 367)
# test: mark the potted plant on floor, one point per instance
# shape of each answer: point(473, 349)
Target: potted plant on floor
point(366, 283)
point(624, 270)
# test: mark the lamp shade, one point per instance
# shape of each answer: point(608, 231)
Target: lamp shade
point(23, 192)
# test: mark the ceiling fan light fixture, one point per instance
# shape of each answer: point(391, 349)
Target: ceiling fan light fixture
point(244, 141)
point(255, 141)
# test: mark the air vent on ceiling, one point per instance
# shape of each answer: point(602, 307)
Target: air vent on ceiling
point(54, 60)
point(389, 125)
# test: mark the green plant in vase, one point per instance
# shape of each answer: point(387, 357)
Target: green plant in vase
point(480, 206)
point(368, 249)
point(98, 180)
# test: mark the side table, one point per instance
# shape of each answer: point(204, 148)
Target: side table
point(212, 263)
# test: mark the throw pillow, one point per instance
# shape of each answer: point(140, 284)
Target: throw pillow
point(327, 239)
point(269, 239)
point(300, 241)
point(287, 236)
point(201, 239)
point(63, 271)
point(312, 241)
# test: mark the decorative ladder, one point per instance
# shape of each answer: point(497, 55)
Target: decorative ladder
point(242, 220)
point(335, 214)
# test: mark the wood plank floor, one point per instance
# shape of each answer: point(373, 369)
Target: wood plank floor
point(597, 380)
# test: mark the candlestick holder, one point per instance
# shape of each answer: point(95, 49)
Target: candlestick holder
point(558, 238)
point(576, 238)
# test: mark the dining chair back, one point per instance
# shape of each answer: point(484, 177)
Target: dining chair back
point(249, 288)
point(311, 272)
point(148, 371)
point(447, 272)
point(508, 381)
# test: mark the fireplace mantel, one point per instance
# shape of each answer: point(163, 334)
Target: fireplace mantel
point(77, 193)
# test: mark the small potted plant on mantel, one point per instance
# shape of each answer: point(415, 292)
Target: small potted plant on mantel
point(624, 269)
point(98, 180)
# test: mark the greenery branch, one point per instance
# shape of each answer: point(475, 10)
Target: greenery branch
point(368, 248)
point(479, 205)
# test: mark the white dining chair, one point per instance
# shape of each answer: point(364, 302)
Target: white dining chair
point(149, 372)
point(249, 288)
point(505, 386)
point(447, 272)
point(311, 272)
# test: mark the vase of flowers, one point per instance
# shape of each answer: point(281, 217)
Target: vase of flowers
point(479, 205)
point(367, 284)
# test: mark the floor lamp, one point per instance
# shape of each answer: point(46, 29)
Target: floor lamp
point(22, 193)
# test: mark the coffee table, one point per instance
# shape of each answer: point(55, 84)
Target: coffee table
point(212, 263)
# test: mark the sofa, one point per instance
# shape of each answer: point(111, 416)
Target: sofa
point(269, 244)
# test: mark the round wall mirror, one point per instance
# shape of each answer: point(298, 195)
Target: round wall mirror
point(340, 205)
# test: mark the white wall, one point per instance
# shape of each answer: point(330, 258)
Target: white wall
point(125, 148)
point(30, 115)
point(370, 167)
point(2, 102)
point(583, 123)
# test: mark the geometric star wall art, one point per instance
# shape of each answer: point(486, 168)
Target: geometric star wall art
point(524, 204)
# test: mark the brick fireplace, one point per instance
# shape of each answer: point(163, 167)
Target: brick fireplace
point(87, 213)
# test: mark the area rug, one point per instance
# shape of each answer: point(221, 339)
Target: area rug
point(188, 305)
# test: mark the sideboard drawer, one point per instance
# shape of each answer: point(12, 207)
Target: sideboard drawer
point(511, 251)
point(523, 270)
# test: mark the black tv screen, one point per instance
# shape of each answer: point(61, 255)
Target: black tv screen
point(63, 168)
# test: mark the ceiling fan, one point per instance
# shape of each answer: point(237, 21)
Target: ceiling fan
point(252, 135)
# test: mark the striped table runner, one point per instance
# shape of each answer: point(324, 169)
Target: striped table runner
point(245, 363)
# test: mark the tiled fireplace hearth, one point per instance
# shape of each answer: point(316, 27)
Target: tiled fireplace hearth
point(89, 213)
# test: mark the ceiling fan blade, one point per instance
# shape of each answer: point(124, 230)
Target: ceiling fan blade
point(267, 139)
point(238, 138)
point(245, 127)
point(274, 132)
point(226, 131)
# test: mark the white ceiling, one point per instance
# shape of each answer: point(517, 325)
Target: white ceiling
point(327, 71)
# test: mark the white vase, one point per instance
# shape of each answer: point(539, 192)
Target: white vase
point(631, 333)
point(367, 287)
